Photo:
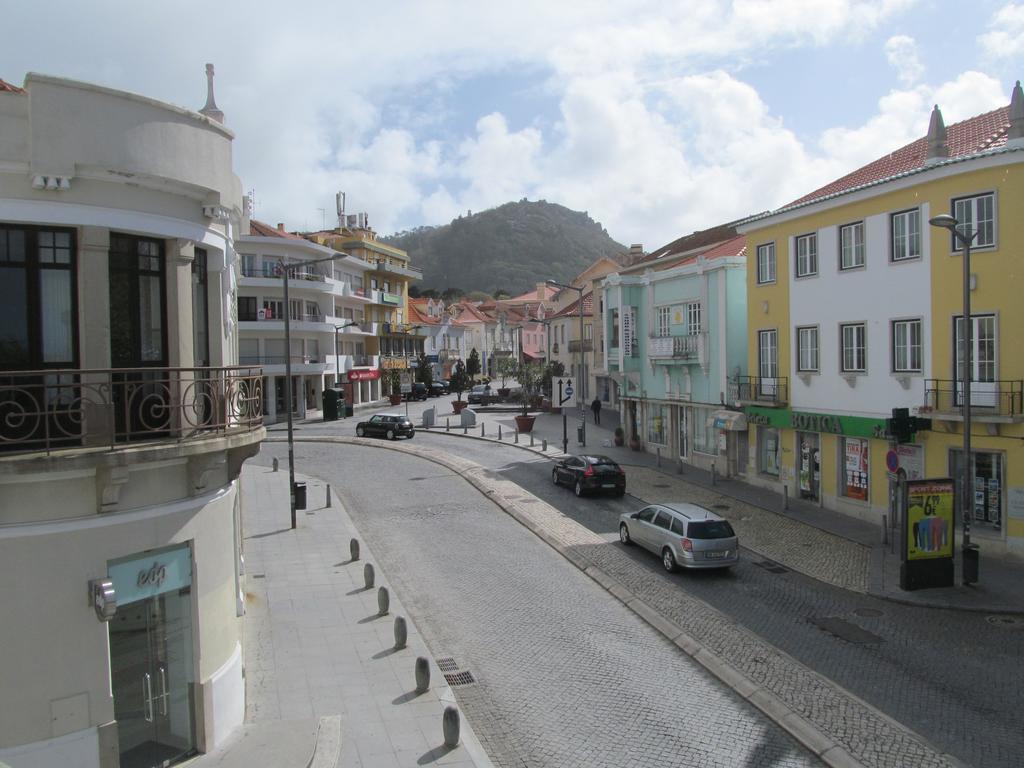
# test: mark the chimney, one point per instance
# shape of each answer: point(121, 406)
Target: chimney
point(210, 110)
point(280, 226)
point(938, 150)
point(1015, 136)
point(636, 253)
point(541, 291)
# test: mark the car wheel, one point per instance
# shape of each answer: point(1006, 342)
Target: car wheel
point(668, 559)
point(391, 434)
point(554, 476)
point(360, 432)
point(624, 534)
point(578, 489)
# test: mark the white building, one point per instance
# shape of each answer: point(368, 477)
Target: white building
point(444, 339)
point(123, 428)
point(330, 304)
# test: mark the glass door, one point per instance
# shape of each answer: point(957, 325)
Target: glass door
point(151, 666)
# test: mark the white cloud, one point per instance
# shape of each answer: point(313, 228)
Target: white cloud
point(901, 52)
point(1005, 38)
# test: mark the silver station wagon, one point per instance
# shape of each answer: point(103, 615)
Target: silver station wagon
point(684, 535)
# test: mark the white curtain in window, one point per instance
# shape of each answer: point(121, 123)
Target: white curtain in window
point(55, 302)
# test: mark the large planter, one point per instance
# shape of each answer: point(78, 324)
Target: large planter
point(504, 392)
point(634, 443)
point(458, 405)
point(525, 423)
point(395, 399)
point(619, 439)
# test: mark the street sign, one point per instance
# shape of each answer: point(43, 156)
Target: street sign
point(405, 379)
point(562, 390)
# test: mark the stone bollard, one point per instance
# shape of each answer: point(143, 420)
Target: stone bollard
point(544, 445)
point(368, 575)
point(658, 451)
point(465, 430)
point(422, 674)
point(447, 425)
point(499, 432)
point(275, 464)
point(531, 439)
point(353, 548)
point(383, 601)
point(450, 727)
point(517, 436)
point(482, 430)
point(401, 633)
point(328, 502)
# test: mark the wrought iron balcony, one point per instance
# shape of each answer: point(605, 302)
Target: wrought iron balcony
point(574, 345)
point(762, 390)
point(95, 408)
point(688, 349)
point(945, 398)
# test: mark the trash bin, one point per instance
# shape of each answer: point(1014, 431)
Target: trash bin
point(348, 409)
point(332, 404)
point(971, 564)
point(299, 490)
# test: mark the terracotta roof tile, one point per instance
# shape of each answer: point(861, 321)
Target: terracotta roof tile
point(8, 87)
point(736, 246)
point(573, 310)
point(968, 137)
point(259, 229)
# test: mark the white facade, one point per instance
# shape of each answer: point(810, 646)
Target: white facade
point(118, 475)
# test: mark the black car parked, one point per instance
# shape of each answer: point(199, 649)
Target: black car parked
point(418, 392)
point(590, 473)
point(389, 425)
point(439, 388)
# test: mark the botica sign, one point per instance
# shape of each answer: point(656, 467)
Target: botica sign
point(817, 422)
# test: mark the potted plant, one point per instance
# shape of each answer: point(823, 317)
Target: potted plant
point(394, 386)
point(458, 384)
point(531, 376)
point(507, 367)
point(620, 436)
point(634, 442)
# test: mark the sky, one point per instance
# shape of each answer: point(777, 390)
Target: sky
point(656, 118)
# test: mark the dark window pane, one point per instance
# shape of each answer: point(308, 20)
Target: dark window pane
point(711, 529)
point(14, 351)
point(678, 526)
point(121, 345)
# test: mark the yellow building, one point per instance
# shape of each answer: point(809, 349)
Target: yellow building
point(855, 307)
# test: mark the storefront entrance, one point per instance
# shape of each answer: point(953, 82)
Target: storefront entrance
point(808, 453)
point(151, 659)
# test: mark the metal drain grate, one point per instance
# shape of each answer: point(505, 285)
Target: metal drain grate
point(1008, 622)
point(771, 566)
point(447, 664)
point(460, 678)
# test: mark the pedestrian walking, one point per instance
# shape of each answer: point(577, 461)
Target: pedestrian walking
point(596, 408)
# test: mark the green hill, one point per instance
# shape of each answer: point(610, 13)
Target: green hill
point(511, 247)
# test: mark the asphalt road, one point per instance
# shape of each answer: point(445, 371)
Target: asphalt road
point(954, 677)
point(564, 675)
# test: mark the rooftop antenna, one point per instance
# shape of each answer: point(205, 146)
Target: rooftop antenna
point(339, 204)
point(252, 202)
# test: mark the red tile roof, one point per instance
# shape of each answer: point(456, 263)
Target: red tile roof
point(736, 246)
point(702, 239)
point(968, 137)
point(5, 86)
point(259, 229)
point(547, 294)
point(573, 310)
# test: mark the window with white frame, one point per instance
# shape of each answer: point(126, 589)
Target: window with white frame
point(807, 255)
point(978, 214)
point(906, 346)
point(851, 245)
point(854, 345)
point(766, 263)
point(807, 349)
point(662, 321)
point(906, 235)
point(983, 350)
point(693, 318)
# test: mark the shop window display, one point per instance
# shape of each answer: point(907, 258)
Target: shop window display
point(855, 471)
point(768, 451)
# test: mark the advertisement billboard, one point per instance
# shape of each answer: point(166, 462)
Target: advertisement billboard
point(930, 519)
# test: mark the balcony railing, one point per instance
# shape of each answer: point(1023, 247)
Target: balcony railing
point(574, 345)
point(683, 348)
point(988, 398)
point(764, 390)
point(59, 409)
point(279, 359)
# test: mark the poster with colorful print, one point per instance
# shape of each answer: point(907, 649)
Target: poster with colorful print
point(857, 469)
point(929, 519)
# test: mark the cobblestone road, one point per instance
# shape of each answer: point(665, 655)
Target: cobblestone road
point(565, 675)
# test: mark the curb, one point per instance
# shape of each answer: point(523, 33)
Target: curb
point(802, 730)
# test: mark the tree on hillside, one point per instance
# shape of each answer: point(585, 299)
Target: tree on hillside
point(473, 364)
point(501, 293)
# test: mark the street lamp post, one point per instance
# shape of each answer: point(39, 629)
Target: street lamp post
point(285, 269)
point(579, 370)
point(964, 235)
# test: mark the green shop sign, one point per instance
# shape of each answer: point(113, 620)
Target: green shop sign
point(391, 298)
point(784, 418)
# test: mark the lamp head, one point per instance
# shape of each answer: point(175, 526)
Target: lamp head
point(944, 220)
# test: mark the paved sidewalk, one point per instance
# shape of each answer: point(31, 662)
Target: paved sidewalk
point(324, 684)
point(798, 534)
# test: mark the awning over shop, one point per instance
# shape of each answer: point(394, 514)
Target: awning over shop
point(733, 421)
